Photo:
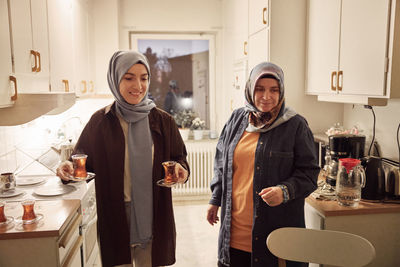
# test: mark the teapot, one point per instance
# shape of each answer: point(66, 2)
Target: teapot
point(64, 151)
point(349, 182)
point(375, 175)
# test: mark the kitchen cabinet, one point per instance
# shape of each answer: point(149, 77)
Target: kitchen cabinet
point(8, 89)
point(53, 241)
point(352, 50)
point(61, 45)
point(30, 48)
point(83, 84)
point(377, 222)
point(258, 32)
point(240, 28)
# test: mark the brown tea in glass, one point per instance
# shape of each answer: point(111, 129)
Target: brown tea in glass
point(169, 169)
point(79, 162)
point(29, 215)
point(3, 217)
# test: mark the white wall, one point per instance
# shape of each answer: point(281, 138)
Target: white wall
point(387, 120)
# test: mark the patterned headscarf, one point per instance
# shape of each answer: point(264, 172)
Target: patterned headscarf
point(257, 118)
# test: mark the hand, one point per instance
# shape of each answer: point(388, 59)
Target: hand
point(181, 173)
point(273, 196)
point(212, 214)
point(65, 170)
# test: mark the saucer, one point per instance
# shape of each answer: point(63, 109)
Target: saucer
point(90, 175)
point(39, 216)
point(11, 193)
point(163, 184)
point(8, 221)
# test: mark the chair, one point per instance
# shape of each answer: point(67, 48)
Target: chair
point(320, 246)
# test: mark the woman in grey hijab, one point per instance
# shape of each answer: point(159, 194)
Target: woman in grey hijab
point(126, 144)
point(265, 166)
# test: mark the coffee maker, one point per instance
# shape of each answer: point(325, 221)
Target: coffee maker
point(342, 146)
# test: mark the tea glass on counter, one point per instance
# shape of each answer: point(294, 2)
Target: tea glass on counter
point(79, 163)
point(3, 217)
point(29, 215)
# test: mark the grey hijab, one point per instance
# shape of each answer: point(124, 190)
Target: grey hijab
point(260, 70)
point(139, 146)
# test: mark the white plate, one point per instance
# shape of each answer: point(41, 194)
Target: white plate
point(90, 175)
point(54, 190)
point(11, 193)
point(29, 180)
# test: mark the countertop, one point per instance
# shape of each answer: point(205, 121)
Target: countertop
point(56, 216)
point(332, 208)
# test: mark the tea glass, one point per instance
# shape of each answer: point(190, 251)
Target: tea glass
point(3, 217)
point(29, 215)
point(169, 169)
point(79, 163)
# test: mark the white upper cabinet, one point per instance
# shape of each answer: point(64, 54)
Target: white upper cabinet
point(8, 93)
point(240, 28)
point(258, 15)
point(61, 46)
point(28, 20)
point(83, 84)
point(349, 54)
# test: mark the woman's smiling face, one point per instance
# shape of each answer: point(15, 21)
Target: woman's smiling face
point(266, 94)
point(134, 84)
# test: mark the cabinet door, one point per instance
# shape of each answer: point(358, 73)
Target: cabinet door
point(6, 90)
point(258, 15)
point(363, 46)
point(30, 44)
point(82, 82)
point(240, 29)
point(258, 48)
point(323, 45)
point(61, 45)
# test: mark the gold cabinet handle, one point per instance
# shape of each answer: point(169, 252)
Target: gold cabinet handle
point(39, 68)
point(245, 48)
point(333, 75)
point(66, 85)
point(14, 80)
point(91, 86)
point(34, 68)
point(339, 81)
point(264, 15)
point(84, 89)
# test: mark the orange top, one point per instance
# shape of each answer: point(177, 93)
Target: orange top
point(242, 191)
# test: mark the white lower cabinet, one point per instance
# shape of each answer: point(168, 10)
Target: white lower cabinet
point(380, 228)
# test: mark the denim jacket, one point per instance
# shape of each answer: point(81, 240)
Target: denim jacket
point(284, 155)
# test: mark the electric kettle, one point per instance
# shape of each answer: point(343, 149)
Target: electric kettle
point(375, 179)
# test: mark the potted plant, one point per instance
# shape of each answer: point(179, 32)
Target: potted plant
point(198, 128)
point(184, 120)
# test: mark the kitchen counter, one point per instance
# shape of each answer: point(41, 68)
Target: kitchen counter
point(377, 222)
point(56, 216)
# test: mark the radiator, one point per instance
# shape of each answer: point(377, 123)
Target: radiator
point(201, 161)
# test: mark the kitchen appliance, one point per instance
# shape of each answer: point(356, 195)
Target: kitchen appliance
point(392, 179)
point(375, 179)
point(342, 146)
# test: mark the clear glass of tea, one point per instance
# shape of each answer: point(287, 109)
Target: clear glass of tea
point(79, 163)
point(29, 215)
point(3, 217)
point(169, 170)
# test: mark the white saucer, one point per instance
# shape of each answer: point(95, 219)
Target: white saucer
point(29, 180)
point(54, 190)
point(11, 193)
point(39, 216)
point(8, 221)
point(90, 175)
point(163, 184)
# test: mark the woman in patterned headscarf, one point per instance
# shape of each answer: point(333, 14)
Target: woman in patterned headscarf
point(126, 144)
point(265, 166)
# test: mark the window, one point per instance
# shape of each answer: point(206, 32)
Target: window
point(181, 67)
